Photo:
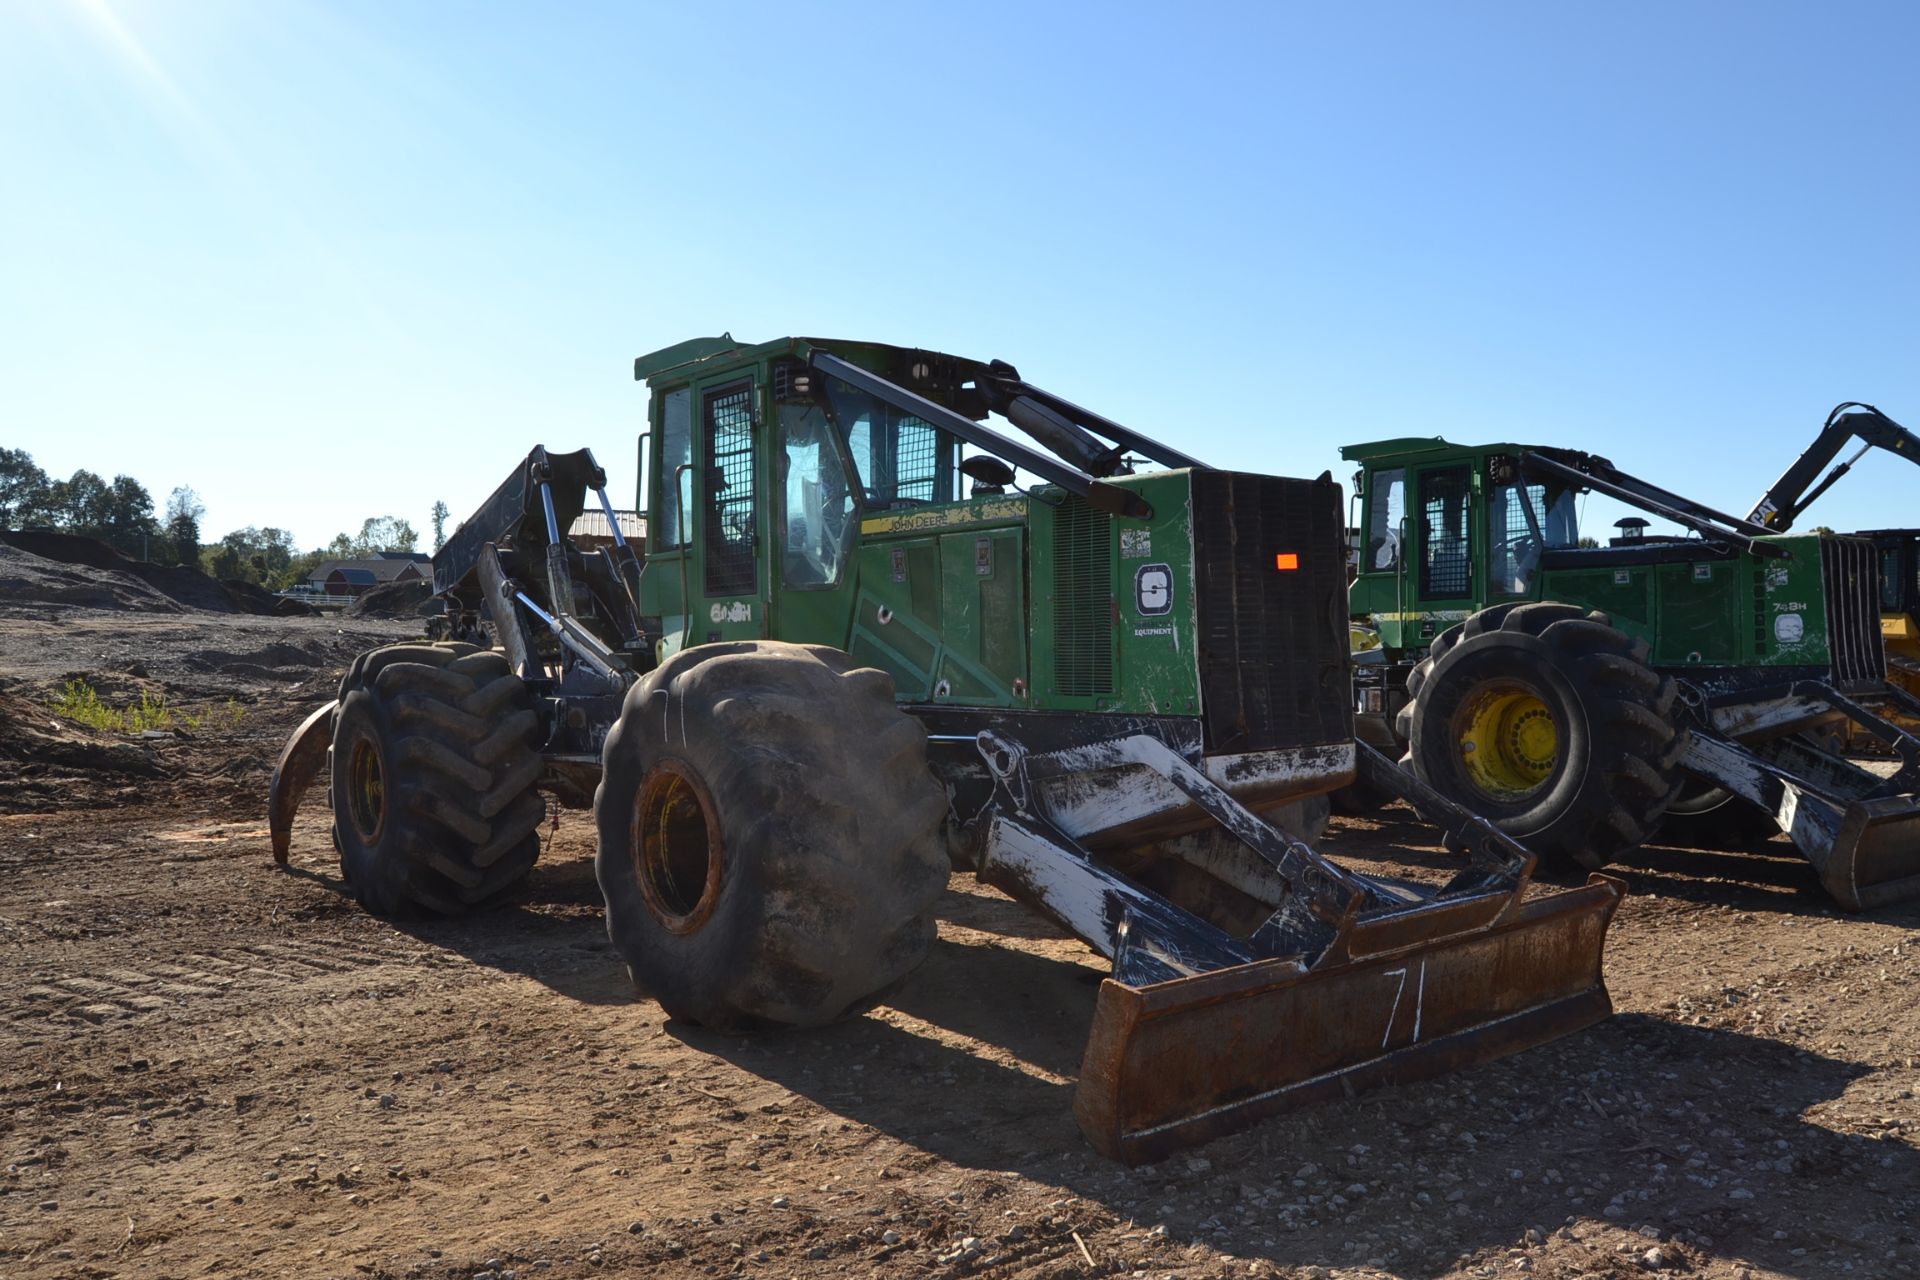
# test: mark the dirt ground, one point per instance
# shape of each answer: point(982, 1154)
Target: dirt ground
point(211, 1066)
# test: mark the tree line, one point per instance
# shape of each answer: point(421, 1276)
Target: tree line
point(121, 514)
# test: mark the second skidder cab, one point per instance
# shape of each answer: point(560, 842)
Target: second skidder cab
point(1582, 695)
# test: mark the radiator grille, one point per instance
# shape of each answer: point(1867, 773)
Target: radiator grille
point(1273, 643)
point(1083, 595)
point(1850, 573)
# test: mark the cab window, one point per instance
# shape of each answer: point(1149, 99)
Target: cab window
point(902, 460)
point(1387, 522)
point(1523, 521)
point(1446, 566)
point(728, 536)
point(676, 485)
point(819, 500)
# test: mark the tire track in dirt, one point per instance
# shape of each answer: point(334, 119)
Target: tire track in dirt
point(96, 990)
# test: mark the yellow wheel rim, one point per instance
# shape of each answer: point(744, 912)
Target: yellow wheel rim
point(1509, 741)
point(366, 792)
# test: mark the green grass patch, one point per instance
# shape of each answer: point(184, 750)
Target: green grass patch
point(81, 703)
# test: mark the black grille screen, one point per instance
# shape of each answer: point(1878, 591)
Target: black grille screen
point(1850, 570)
point(1083, 587)
point(1273, 642)
point(916, 461)
point(729, 535)
point(1445, 571)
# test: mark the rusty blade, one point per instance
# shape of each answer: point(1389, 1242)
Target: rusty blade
point(293, 773)
point(1182, 1062)
point(1875, 855)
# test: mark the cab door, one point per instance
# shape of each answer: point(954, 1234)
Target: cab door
point(1442, 564)
point(1378, 592)
point(728, 586)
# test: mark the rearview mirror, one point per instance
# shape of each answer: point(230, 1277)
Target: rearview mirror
point(987, 471)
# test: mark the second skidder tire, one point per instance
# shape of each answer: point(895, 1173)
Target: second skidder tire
point(1708, 817)
point(770, 843)
point(1549, 722)
point(432, 777)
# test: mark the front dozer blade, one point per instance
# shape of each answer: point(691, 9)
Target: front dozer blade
point(1352, 980)
point(1874, 854)
point(1187, 1060)
point(299, 764)
point(1861, 831)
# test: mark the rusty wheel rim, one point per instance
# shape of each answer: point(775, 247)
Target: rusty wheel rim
point(677, 851)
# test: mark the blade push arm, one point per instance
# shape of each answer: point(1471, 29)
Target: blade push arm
point(1796, 489)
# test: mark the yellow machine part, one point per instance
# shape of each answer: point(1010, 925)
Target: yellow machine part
point(1901, 636)
point(1508, 742)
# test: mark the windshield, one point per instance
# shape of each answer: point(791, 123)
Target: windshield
point(1524, 521)
point(819, 501)
point(902, 460)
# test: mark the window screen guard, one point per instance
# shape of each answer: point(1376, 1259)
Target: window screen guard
point(1446, 566)
point(729, 496)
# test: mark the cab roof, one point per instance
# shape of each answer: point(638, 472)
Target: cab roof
point(677, 362)
point(1396, 447)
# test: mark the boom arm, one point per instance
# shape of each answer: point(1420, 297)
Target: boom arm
point(1796, 490)
point(1069, 477)
point(514, 553)
point(1588, 471)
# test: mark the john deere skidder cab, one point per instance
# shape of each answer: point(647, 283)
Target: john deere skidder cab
point(861, 645)
point(1581, 695)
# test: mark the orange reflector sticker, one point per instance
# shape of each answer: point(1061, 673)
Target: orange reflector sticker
point(1287, 560)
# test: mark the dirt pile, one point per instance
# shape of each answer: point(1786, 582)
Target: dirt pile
point(279, 662)
point(48, 763)
point(393, 600)
point(255, 598)
point(30, 579)
point(62, 568)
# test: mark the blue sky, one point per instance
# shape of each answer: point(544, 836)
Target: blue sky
point(324, 262)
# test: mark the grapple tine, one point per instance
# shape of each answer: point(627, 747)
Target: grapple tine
point(294, 772)
point(1187, 1060)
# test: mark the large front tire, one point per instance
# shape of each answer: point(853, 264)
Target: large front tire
point(432, 778)
point(1549, 722)
point(770, 844)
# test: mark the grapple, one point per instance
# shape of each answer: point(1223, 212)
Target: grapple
point(299, 764)
point(1351, 981)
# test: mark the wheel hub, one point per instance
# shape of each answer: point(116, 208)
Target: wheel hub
point(677, 849)
point(366, 791)
point(1508, 741)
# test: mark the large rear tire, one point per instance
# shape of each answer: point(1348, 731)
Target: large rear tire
point(432, 778)
point(770, 843)
point(1549, 722)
